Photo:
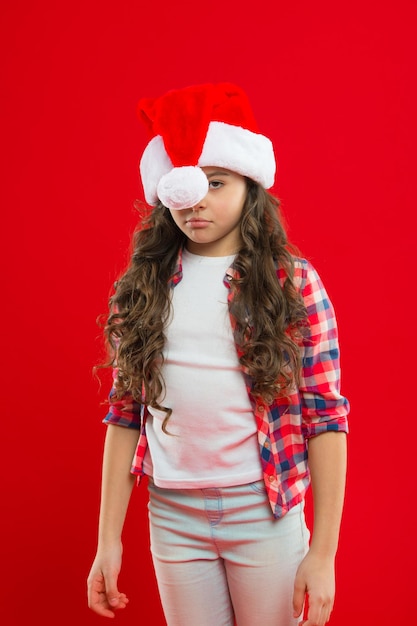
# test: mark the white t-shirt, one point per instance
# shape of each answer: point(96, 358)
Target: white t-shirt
point(213, 435)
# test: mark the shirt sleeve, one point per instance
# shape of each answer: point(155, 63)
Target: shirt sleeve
point(124, 411)
point(323, 407)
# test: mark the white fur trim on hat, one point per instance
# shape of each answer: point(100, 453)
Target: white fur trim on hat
point(231, 147)
point(153, 165)
point(240, 150)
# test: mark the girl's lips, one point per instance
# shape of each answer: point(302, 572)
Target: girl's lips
point(197, 223)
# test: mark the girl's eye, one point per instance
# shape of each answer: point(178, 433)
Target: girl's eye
point(215, 184)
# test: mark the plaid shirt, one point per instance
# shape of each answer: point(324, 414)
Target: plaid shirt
point(285, 426)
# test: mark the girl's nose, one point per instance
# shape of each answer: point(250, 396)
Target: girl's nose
point(201, 204)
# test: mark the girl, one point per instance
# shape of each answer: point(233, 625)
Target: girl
point(226, 383)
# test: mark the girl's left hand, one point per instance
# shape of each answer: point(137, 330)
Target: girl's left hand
point(315, 577)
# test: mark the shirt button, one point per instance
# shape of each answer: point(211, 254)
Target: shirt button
point(271, 478)
point(266, 444)
point(261, 408)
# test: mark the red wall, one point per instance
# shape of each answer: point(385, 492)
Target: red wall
point(333, 85)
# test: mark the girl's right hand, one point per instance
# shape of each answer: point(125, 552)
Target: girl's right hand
point(102, 592)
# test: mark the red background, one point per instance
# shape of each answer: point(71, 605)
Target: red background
point(333, 85)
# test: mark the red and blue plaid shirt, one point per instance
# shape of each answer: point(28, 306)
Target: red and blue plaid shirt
point(284, 426)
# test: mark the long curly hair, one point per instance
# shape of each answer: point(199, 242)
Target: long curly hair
point(270, 319)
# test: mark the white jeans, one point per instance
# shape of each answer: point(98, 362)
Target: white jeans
point(219, 556)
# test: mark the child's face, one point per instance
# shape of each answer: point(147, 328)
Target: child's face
point(212, 225)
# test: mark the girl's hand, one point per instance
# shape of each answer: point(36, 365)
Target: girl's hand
point(315, 577)
point(103, 595)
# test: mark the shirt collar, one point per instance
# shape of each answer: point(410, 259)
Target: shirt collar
point(177, 274)
point(231, 272)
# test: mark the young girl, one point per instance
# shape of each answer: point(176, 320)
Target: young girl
point(226, 383)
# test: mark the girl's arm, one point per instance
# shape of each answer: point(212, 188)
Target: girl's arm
point(117, 485)
point(327, 462)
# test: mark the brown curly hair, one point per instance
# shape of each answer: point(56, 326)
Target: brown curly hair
point(270, 319)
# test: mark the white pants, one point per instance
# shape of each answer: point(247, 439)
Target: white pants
point(219, 556)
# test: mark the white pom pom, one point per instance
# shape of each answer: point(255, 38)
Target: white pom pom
point(182, 187)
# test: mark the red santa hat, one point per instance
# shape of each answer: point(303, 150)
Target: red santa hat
point(198, 126)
